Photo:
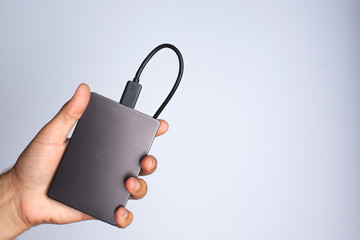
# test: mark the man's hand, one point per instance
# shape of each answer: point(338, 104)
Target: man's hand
point(23, 199)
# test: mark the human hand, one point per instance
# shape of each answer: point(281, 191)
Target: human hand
point(23, 189)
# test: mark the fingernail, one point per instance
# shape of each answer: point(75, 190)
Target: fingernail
point(136, 185)
point(153, 163)
point(123, 212)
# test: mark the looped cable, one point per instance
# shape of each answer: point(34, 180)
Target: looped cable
point(178, 79)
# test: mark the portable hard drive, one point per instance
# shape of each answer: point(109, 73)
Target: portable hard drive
point(106, 148)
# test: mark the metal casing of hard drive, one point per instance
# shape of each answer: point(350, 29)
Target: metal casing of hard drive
point(105, 149)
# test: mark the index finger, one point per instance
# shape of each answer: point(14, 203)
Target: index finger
point(164, 126)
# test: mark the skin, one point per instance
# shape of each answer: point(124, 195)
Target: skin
point(23, 200)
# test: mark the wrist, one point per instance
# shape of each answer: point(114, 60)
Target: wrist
point(11, 223)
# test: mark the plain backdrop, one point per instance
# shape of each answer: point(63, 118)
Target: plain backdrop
point(264, 139)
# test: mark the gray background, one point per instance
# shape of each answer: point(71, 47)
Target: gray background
point(264, 139)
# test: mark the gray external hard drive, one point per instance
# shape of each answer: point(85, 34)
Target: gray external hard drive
point(106, 148)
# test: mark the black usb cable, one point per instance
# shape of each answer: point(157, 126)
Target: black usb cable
point(133, 88)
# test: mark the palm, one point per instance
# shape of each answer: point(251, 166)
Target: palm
point(34, 170)
point(36, 166)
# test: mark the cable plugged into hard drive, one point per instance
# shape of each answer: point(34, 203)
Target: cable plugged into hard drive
point(133, 88)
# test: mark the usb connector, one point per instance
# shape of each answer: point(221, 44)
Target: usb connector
point(131, 94)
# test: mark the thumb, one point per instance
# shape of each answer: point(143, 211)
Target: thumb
point(57, 130)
